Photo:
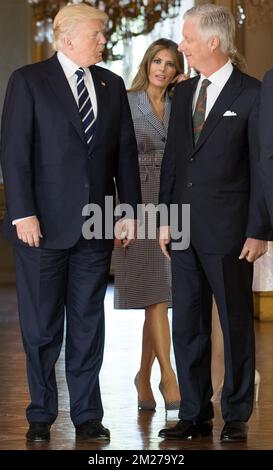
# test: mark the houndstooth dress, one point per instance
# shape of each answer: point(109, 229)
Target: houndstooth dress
point(142, 273)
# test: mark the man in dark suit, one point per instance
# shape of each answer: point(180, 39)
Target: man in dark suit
point(266, 139)
point(67, 133)
point(211, 162)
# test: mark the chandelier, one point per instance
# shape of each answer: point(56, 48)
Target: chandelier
point(253, 13)
point(127, 19)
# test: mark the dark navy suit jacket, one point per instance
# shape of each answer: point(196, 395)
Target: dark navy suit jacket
point(47, 167)
point(219, 177)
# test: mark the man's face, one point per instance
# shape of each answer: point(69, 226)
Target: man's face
point(87, 43)
point(194, 46)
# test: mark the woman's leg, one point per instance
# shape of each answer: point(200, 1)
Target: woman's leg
point(159, 334)
point(147, 359)
point(217, 354)
point(156, 343)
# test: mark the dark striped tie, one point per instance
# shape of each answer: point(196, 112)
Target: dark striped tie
point(200, 110)
point(85, 107)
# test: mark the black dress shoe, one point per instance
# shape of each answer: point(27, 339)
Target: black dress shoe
point(234, 431)
point(187, 430)
point(92, 429)
point(38, 432)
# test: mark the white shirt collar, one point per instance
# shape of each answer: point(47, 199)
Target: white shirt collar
point(220, 77)
point(68, 66)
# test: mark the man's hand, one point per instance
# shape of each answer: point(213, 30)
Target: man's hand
point(29, 232)
point(164, 239)
point(253, 249)
point(125, 232)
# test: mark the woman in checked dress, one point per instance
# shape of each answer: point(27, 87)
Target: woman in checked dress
point(142, 274)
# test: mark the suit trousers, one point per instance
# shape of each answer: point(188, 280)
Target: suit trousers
point(195, 277)
point(53, 284)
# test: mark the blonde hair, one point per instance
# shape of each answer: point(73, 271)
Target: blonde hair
point(141, 80)
point(216, 20)
point(70, 16)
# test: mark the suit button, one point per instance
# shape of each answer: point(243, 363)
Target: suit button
point(163, 139)
point(86, 185)
point(192, 159)
point(189, 185)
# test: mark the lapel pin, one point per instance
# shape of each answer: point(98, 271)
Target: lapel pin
point(103, 83)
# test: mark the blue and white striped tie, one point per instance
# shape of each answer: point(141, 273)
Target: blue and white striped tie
point(85, 107)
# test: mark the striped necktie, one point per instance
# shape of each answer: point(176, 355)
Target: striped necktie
point(200, 110)
point(85, 107)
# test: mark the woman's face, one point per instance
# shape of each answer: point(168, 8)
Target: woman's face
point(162, 69)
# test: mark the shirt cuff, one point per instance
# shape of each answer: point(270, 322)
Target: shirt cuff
point(14, 222)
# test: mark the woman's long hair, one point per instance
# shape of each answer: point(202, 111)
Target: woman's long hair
point(141, 80)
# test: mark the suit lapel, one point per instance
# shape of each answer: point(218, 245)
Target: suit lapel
point(64, 95)
point(103, 104)
point(187, 108)
point(146, 108)
point(231, 90)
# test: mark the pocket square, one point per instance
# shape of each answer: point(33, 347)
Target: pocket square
point(229, 113)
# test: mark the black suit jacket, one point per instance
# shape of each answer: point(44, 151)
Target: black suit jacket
point(266, 138)
point(219, 176)
point(48, 168)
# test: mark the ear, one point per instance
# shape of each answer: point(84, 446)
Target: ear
point(214, 43)
point(67, 42)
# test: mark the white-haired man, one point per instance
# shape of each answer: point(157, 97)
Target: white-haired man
point(67, 133)
point(211, 162)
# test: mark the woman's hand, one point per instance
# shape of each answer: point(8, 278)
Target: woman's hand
point(181, 77)
point(164, 239)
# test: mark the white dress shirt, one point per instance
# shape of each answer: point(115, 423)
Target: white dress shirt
point(218, 80)
point(69, 69)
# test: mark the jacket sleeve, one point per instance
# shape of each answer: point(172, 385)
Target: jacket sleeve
point(127, 169)
point(266, 139)
point(16, 148)
point(258, 226)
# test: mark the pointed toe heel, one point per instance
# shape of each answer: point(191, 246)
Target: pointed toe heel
point(145, 405)
point(169, 405)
